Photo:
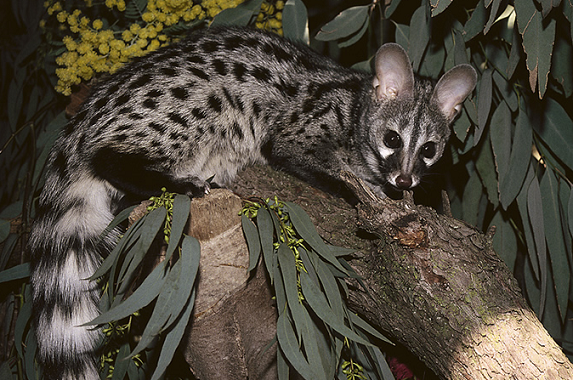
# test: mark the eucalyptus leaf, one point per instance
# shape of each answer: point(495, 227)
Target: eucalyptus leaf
point(345, 24)
point(17, 272)
point(181, 207)
point(512, 182)
point(535, 212)
point(556, 130)
point(287, 267)
point(172, 340)
point(290, 347)
point(527, 229)
point(485, 166)
point(252, 238)
point(500, 135)
point(485, 93)
point(241, 15)
point(419, 36)
point(266, 229)
point(438, 6)
point(476, 22)
point(122, 362)
point(319, 305)
point(295, 21)
point(555, 239)
point(307, 231)
point(147, 292)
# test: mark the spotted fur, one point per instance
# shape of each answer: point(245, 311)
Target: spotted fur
point(204, 108)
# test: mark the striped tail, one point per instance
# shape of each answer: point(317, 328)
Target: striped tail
point(66, 249)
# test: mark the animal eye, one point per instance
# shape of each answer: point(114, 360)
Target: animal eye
point(392, 140)
point(428, 150)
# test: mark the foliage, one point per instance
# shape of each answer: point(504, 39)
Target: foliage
point(315, 330)
point(511, 157)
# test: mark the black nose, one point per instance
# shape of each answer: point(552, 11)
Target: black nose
point(404, 181)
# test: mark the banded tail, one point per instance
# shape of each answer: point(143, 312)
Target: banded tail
point(66, 249)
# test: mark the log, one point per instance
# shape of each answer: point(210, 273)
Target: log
point(432, 283)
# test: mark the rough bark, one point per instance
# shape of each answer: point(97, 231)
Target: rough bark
point(433, 283)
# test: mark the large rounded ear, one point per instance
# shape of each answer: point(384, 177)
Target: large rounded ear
point(453, 88)
point(394, 75)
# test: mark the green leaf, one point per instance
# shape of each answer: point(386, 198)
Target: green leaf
point(241, 15)
point(484, 103)
point(511, 184)
point(390, 8)
point(500, 135)
point(345, 24)
point(23, 320)
point(556, 130)
point(492, 15)
point(17, 272)
point(514, 55)
point(472, 197)
point(319, 305)
point(142, 297)
point(548, 5)
point(181, 207)
point(486, 169)
point(252, 237)
point(419, 36)
point(351, 40)
point(290, 347)
point(287, 267)
point(307, 231)
point(295, 21)
point(476, 22)
point(527, 229)
point(265, 225)
point(535, 212)
point(561, 69)
point(555, 239)
point(172, 340)
point(504, 240)
point(538, 38)
point(570, 213)
point(122, 362)
point(507, 91)
point(438, 6)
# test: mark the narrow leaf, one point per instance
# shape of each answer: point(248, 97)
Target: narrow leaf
point(419, 35)
point(555, 239)
point(484, 103)
point(17, 272)
point(181, 207)
point(345, 24)
point(511, 183)
point(500, 135)
point(252, 237)
point(290, 347)
point(295, 21)
point(438, 6)
point(535, 211)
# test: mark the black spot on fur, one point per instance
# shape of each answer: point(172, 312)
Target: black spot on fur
point(256, 109)
point(179, 93)
point(101, 102)
point(237, 131)
point(125, 110)
point(141, 134)
point(199, 73)
point(239, 71)
point(139, 81)
point(123, 127)
point(169, 71)
point(121, 100)
point(262, 74)
point(154, 93)
point(234, 42)
point(135, 116)
point(159, 128)
point(198, 113)
point(220, 67)
point(215, 103)
point(210, 46)
point(195, 59)
point(150, 103)
point(177, 118)
point(94, 119)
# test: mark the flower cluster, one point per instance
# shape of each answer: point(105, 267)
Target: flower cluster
point(101, 38)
